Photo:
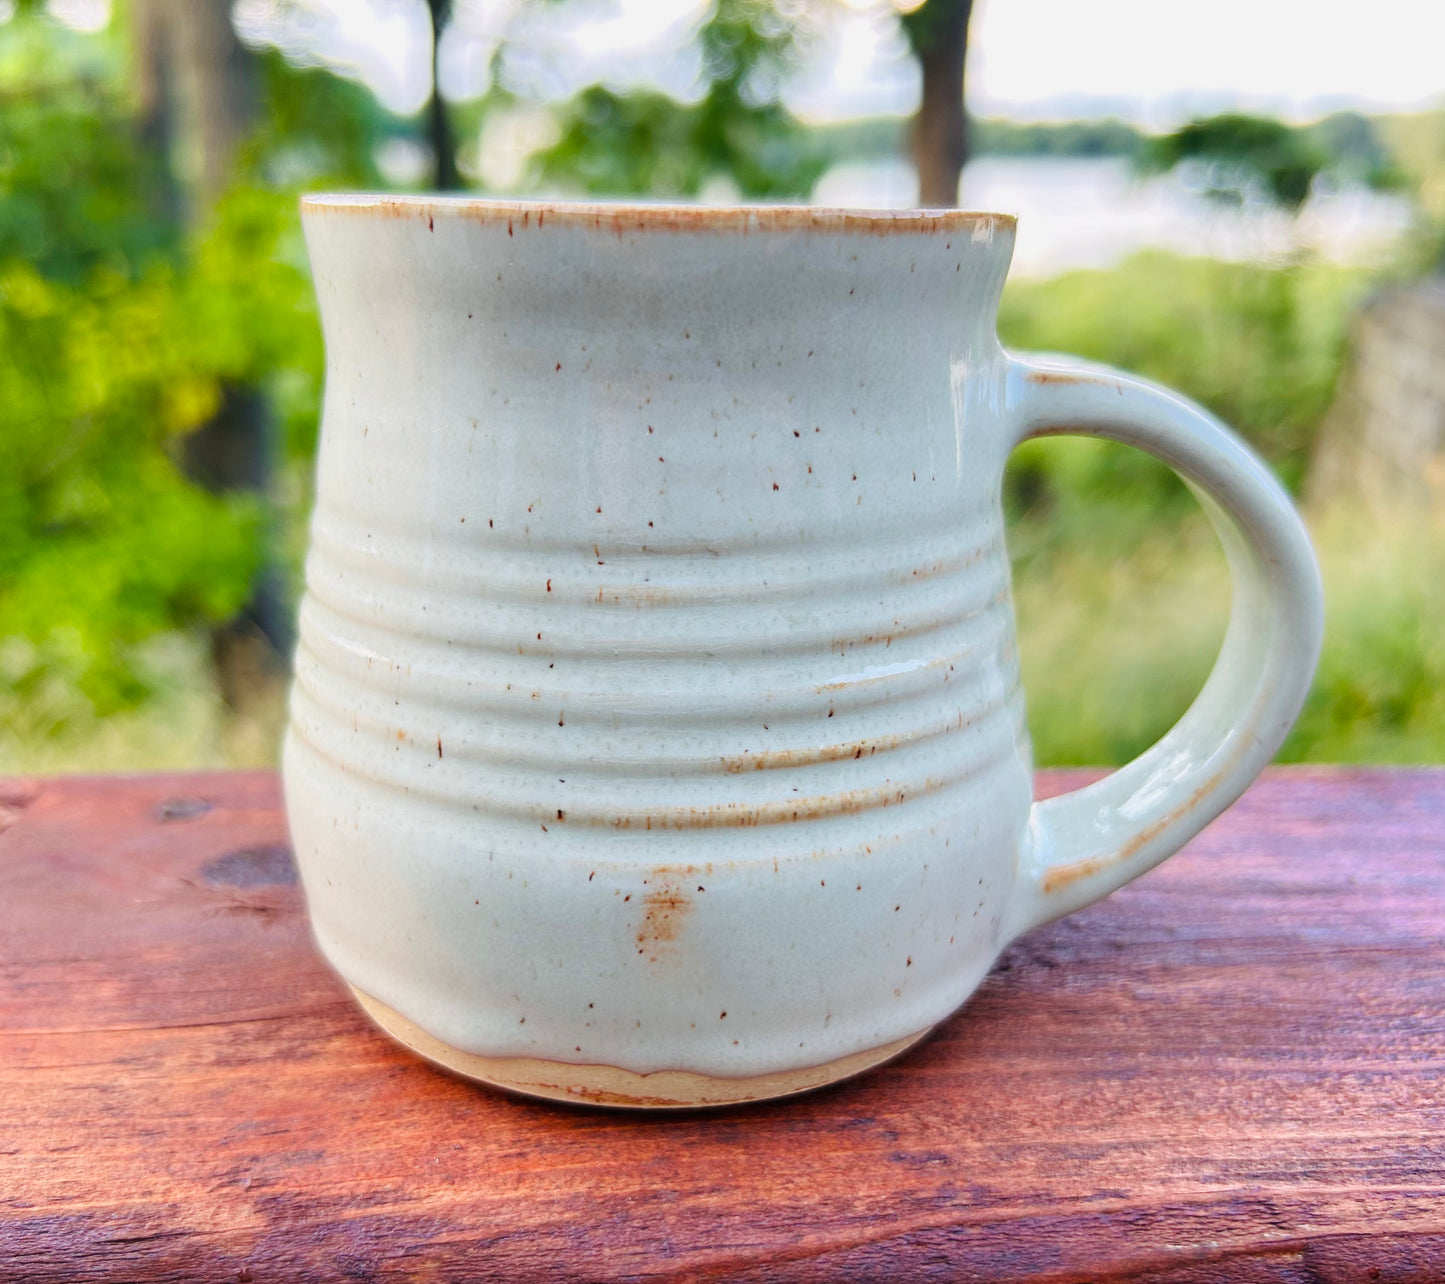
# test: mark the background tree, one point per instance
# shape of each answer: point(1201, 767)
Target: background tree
point(1243, 156)
point(439, 129)
point(937, 32)
point(646, 143)
point(197, 91)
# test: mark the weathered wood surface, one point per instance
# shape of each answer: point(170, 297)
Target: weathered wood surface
point(1234, 1070)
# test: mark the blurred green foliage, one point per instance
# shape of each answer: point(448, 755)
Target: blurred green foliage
point(1351, 147)
point(1242, 158)
point(644, 143)
point(1117, 637)
point(1241, 153)
point(1379, 693)
point(1260, 346)
point(117, 338)
point(74, 191)
point(1120, 587)
point(1079, 138)
point(318, 129)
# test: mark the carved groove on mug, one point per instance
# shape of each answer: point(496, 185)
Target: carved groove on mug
point(524, 741)
point(526, 804)
point(604, 1085)
point(630, 692)
point(574, 629)
point(521, 571)
point(740, 642)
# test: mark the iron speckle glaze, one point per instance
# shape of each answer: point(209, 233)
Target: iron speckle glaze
point(657, 702)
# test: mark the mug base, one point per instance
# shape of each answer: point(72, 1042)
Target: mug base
point(602, 1085)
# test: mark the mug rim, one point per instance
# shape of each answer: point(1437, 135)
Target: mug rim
point(634, 216)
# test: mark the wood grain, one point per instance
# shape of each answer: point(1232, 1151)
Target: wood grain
point(1234, 1070)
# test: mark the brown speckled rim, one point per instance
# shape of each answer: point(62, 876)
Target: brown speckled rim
point(637, 216)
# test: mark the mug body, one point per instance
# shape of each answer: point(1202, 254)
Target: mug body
point(656, 735)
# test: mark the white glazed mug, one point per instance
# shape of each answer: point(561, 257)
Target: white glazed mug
point(656, 736)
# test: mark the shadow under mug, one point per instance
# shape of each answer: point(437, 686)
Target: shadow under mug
point(656, 736)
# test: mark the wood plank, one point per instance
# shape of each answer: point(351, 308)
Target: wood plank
point(1233, 1070)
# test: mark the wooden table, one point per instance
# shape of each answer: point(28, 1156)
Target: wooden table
point(1234, 1070)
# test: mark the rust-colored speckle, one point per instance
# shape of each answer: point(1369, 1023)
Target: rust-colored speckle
point(1071, 378)
point(1052, 376)
point(430, 224)
point(664, 909)
point(746, 815)
point(559, 365)
point(1059, 878)
point(439, 746)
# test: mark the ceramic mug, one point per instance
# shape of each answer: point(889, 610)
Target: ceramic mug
point(656, 736)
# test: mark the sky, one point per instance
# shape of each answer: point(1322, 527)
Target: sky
point(1156, 62)
point(1295, 57)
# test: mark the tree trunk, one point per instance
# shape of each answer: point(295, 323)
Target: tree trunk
point(439, 127)
point(195, 91)
point(938, 32)
point(152, 59)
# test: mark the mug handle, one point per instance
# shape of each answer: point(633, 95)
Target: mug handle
point(1085, 844)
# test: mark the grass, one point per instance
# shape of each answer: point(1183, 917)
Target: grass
point(184, 726)
point(1115, 644)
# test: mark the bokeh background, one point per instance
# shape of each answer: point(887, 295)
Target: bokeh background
point(1244, 200)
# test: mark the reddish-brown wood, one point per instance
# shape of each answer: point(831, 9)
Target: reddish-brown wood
point(1234, 1070)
